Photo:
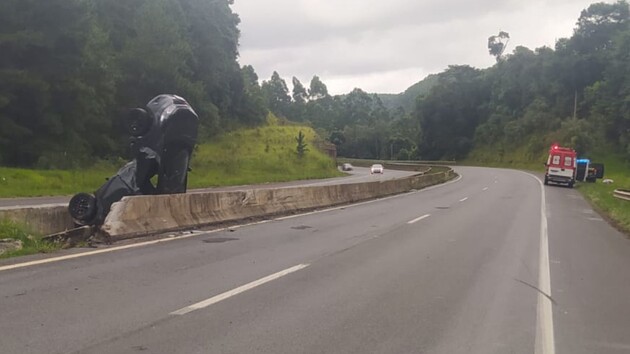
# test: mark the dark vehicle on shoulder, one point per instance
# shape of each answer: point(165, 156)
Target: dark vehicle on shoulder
point(163, 135)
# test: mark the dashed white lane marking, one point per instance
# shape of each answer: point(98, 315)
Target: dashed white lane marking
point(418, 219)
point(485, 189)
point(240, 289)
point(463, 199)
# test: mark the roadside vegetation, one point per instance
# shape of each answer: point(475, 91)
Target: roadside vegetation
point(259, 155)
point(247, 156)
point(31, 242)
point(601, 195)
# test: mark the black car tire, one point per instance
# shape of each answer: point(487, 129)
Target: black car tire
point(82, 208)
point(138, 122)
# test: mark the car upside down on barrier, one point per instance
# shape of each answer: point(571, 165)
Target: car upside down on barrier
point(163, 135)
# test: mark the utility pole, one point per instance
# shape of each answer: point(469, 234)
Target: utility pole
point(575, 105)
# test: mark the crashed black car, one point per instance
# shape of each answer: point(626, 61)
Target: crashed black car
point(163, 136)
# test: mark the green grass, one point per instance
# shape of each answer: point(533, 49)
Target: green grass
point(15, 182)
point(265, 154)
point(601, 195)
point(31, 242)
point(518, 158)
point(249, 156)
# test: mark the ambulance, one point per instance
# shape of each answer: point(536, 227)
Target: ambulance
point(561, 166)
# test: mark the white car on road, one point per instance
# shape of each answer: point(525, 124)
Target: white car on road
point(376, 168)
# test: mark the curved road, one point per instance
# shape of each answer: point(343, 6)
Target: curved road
point(491, 263)
point(359, 174)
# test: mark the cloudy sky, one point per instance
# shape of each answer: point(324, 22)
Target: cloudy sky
point(386, 46)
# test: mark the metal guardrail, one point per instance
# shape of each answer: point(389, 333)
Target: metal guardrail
point(622, 194)
point(409, 162)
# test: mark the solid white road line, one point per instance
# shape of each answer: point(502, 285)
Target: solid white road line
point(463, 199)
point(36, 206)
point(418, 219)
point(240, 289)
point(118, 248)
point(545, 341)
point(148, 243)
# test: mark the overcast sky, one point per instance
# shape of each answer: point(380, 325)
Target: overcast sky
point(386, 46)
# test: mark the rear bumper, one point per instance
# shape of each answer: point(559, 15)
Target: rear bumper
point(559, 179)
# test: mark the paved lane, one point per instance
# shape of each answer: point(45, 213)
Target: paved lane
point(452, 269)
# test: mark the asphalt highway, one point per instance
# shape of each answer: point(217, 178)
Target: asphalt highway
point(357, 175)
point(491, 263)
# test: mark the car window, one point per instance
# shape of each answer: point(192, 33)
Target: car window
point(556, 160)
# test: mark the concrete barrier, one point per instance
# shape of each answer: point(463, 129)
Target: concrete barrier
point(142, 215)
point(44, 220)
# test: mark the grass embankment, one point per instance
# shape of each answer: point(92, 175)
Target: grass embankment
point(518, 158)
point(248, 156)
point(31, 243)
point(265, 154)
point(599, 194)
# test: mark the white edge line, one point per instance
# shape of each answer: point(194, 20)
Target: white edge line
point(240, 289)
point(195, 234)
point(545, 341)
point(418, 219)
point(120, 248)
point(463, 199)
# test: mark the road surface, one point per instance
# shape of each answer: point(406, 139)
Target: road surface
point(484, 264)
point(358, 175)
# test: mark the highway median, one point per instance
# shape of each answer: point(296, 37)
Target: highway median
point(145, 215)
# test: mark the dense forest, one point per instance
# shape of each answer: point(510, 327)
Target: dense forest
point(576, 94)
point(71, 68)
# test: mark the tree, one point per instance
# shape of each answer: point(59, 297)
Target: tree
point(301, 147)
point(598, 24)
point(277, 95)
point(317, 89)
point(497, 44)
point(299, 92)
point(251, 109)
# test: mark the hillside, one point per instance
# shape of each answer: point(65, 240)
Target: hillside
point(406, 100)
point(244, 156)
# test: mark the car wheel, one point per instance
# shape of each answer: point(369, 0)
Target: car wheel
point(82, 208)
point(138, 122)
point(546, 181)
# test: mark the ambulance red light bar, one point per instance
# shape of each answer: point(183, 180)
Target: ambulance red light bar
point(556, 147)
